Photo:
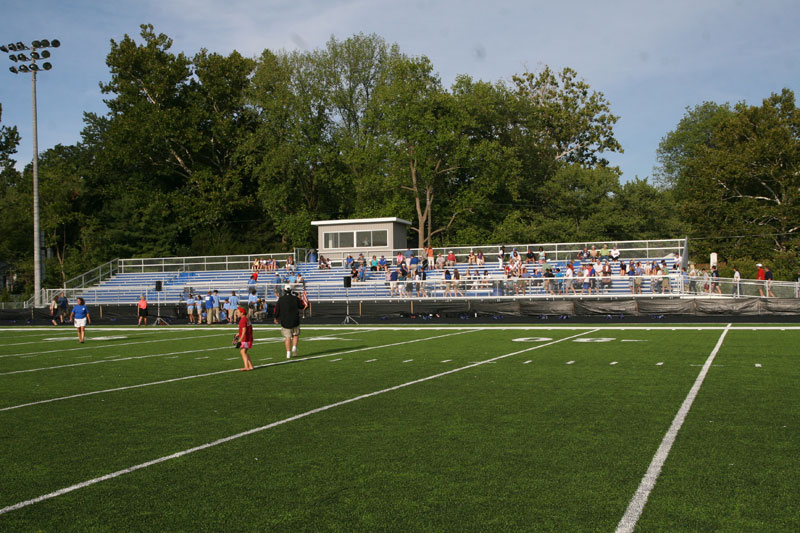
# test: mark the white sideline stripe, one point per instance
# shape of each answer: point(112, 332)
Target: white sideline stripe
point(570, 362)
point(229, 438)
point(183, 378)
point(628, 522)
point(106, 346)
point(107, 360)
point(110, 360)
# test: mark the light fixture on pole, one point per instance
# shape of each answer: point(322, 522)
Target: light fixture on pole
point(29, 64)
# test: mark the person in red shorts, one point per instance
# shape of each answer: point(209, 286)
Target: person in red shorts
point(245, 338)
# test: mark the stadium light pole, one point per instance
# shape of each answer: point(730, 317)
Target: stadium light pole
point(28, 64)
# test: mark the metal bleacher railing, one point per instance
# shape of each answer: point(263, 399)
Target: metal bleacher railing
point(123, 281)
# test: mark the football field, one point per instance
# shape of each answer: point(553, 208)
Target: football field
point(439, 428)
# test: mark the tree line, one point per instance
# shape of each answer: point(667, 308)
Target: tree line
point(214, 154)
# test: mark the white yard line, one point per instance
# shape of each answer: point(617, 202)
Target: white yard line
point(230, 438)
point(106, 345)
point(628, 522)
point(274, 340)
point(183, 378)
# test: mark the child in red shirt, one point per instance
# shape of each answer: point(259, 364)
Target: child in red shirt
point(245, 338)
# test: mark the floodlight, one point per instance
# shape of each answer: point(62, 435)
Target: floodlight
point(45, 54)
point(35, 55)
point(44, 43)
point(22, 57)
point(34, 66)
point(13, 69)
point(21, 45)
point(3, 48)
point(23, 68)
point(12, 47)
point(47, 66)
point(36, 44)
point(12, 57)
point(55, 43)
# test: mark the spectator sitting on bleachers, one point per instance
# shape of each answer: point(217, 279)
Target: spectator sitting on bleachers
point(373, 264)
point(593, 253)
point(530, 257)
point(542, 256)
point(262, 264)
point(479, 259)
point(439, 262)
point(290, 266)
point(348, 262)
point(361, 261)
point(451, 259)
point(605, 278)
point(362, 272)
point(614, 253)
point(678, 260)
point(604, 253)
point(400, 259)
point(471, 259)
point(354, 272)
point(324, 263)
point(382, 265)
point(255, 265)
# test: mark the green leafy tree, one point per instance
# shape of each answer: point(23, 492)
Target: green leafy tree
point(746, 180)
point(681, 145)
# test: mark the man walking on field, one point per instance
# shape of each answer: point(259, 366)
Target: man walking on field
point(287, 312)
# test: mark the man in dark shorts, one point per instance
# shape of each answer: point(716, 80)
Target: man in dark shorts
point(287, 313)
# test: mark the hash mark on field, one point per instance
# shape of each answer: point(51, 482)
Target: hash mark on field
point(634, 340)
point(446, 360)
point(570, 362)
point(613, 363)
point(206, 357)
point(659, 364)
point(231, 358)
point(173, 357)
point(526, 362)
point(370, 360)
point(758, 365)
point(334, 360)
point(408, 360)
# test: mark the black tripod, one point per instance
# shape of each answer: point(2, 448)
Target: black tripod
point(348, 319)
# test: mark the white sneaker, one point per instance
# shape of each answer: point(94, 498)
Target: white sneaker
point(288, 355)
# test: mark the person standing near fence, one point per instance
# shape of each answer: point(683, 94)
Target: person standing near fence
point(736, 291)
point(142, 310)
point(80, 317)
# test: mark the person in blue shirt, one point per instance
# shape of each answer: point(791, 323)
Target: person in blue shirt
point(190, 308)
point(234, 300)
point(215, 309)
point(252, 303)
point(208, 302)
point(80, 317)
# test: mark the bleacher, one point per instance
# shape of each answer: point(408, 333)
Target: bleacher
point(328, 284)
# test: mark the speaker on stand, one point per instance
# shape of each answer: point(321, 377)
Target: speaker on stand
point(348, 281)
point(159, 321)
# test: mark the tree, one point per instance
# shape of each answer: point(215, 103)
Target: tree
point(9, 139)
point(746, 179)
point(681, 145)
point(566, 120)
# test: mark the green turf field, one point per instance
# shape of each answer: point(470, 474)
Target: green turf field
point(400, 429)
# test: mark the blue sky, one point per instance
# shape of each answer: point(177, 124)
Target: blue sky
point(650, 59)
